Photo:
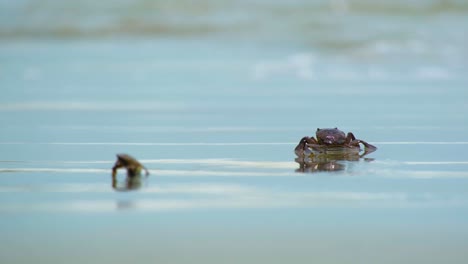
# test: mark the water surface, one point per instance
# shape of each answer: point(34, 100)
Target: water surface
point(213, 99)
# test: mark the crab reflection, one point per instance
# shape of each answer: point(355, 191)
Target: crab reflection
point(330, 159)
point(129, 184)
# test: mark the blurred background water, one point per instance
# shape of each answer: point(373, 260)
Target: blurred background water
point(213, 96)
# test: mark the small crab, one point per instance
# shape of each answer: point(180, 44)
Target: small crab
point(130, 163)
point(331, 139)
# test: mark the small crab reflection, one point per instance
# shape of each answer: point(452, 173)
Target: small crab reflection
point(335, 159)
point(130, 183)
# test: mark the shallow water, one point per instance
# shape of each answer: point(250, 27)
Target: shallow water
point(215, 116)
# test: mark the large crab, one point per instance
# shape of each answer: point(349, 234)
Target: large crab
point(331, 140)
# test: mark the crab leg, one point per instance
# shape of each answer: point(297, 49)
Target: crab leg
point(350, 137)
point(368, 148)
point(315, 147)
point(117, 166)
point(304, 144)
point(352, 141)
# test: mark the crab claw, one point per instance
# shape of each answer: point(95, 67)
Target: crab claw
point(368, 148)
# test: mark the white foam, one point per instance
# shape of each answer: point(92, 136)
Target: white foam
point(227, 163)
point(252, 198)
point(53, 170)
point(300, 65)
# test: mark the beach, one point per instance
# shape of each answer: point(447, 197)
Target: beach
point(213, 98)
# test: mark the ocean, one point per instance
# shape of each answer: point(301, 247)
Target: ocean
point(212, 97)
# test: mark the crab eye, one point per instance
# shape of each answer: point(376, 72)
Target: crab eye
point(336, 128)
point(318, 129)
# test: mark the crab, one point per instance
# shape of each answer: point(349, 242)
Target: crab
point(332, 140)
point(130, 163)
